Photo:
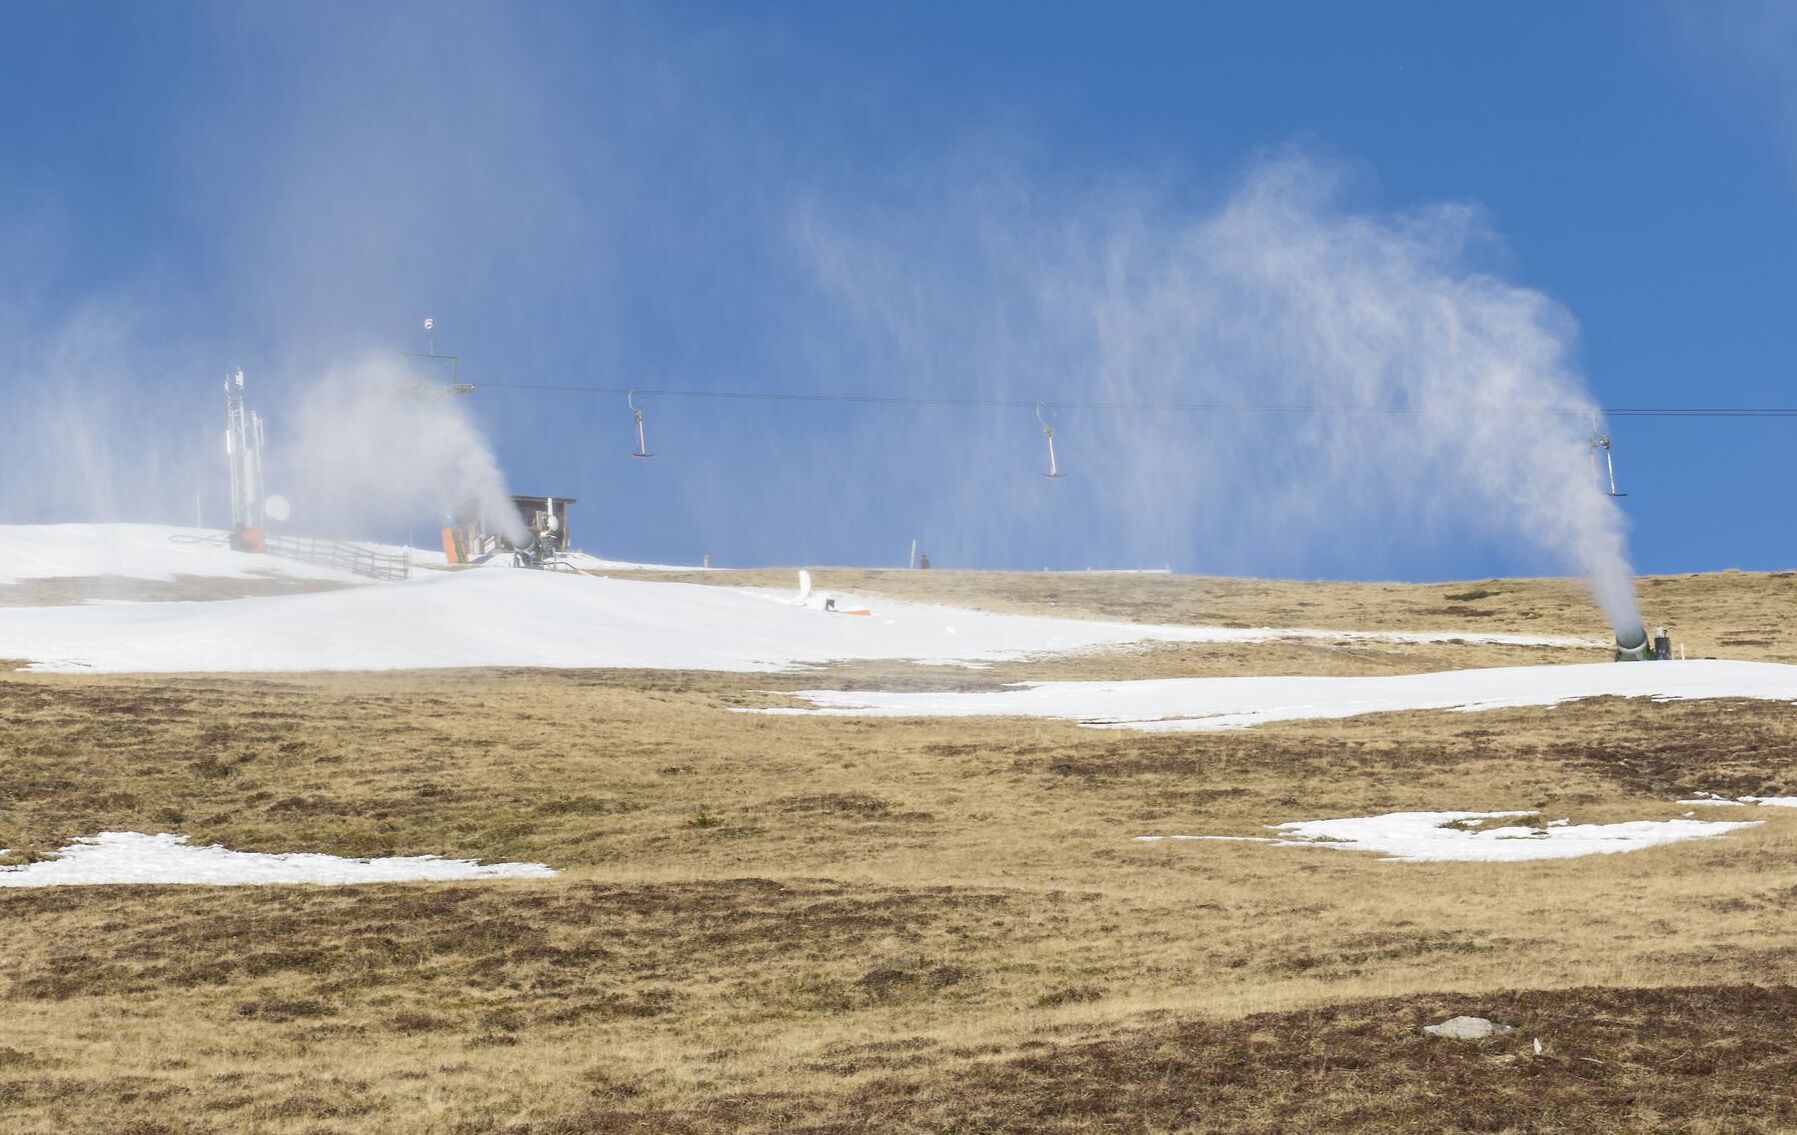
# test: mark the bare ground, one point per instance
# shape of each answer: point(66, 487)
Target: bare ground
point(840, 925)
point(1733, 614)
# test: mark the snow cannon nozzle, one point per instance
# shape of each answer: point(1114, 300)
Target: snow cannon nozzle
point(1632, 646)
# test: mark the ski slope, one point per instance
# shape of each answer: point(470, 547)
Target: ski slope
point(1197, 704)
point(508, 617)
point(527, 618)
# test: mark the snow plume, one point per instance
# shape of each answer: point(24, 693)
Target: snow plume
point(1419, 399)
point(95, 427)
point(370, 446)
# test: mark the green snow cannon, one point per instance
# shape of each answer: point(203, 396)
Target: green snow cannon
point(1633, 647)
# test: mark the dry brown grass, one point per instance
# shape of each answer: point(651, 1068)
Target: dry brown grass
point(787, 909)
point(834, 925)
point(1732, 614)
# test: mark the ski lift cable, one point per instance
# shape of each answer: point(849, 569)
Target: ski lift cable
point(1146, 407)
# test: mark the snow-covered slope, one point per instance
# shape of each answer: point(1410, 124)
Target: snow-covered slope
point(138, 551)
point(161, 553)
point(506, 617)
point(1189, 704)
point(522, 618)
point(530, 618)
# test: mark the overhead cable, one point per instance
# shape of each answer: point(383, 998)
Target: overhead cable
point(1144, 407)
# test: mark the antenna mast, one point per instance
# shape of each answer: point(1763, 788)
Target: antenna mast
point(243, 452)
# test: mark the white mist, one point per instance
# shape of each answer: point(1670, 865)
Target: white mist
point(1433, 402)
point(368, 447)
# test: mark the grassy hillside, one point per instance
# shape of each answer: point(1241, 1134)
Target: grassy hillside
point(835, 925)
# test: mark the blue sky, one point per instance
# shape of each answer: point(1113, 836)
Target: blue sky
point(697, 196)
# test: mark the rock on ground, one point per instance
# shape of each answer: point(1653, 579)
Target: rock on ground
point(1468, 1028)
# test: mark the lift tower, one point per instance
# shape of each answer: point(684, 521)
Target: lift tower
point(243, 452)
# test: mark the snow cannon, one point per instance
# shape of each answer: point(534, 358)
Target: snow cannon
point(539, 553)
point(1632, 646)
point(529, 554)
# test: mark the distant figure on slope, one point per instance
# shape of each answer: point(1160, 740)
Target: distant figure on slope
point(923, 562)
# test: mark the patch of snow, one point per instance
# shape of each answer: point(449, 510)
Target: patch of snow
point(1711, 800)
point(132, 857)
point(1424, 837)
point(1195, 704)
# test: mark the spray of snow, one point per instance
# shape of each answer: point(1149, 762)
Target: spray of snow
point(1423, 400)
point(132, 857)
point(103, 419)
point(369, 446)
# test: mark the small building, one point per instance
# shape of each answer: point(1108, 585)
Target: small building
point(472, 534)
